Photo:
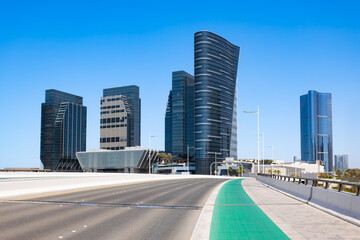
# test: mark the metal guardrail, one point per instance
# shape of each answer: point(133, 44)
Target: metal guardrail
point(314, 181)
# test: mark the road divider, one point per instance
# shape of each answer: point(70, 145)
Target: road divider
point(30, 183)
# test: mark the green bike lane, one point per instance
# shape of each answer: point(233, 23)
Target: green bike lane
point(236, 216)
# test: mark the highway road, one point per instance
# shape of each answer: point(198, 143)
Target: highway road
point(150, 210)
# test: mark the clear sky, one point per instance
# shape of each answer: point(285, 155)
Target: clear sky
point(82, 47)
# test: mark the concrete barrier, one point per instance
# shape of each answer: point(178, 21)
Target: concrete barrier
point(340, 202)
point(14, 184)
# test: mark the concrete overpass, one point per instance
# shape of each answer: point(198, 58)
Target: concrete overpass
point(141, 206)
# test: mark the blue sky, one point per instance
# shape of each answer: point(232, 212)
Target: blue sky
point(287, 48)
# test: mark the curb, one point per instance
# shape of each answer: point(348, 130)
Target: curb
point(202, 227)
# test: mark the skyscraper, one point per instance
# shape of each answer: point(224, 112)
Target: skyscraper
point(120, 118)
point(316, 128)
point(168, 124)
point(115, 123)
point(63, 130)
point(216, 63)
point(179, 117)
point(341, 162)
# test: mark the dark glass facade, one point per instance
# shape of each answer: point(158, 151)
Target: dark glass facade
point(316, 128)
point(63, 130)
point(168, 124)
point(341, 162)
point(216, 63)
point(132, 94)
point(179, 117)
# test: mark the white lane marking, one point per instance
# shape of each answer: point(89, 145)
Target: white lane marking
point(73, 231)
point(61, 237)
point(85, 226)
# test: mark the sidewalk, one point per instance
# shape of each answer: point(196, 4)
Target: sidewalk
point(236, 216)
point(296, 219)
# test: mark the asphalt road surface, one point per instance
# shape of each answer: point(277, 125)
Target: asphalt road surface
point(152, 210)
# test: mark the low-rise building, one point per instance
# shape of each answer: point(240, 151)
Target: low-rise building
point(128, 160)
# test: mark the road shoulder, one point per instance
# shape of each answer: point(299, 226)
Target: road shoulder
point(202, 227)
point(296, 219)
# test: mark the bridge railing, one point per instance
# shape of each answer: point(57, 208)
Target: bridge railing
point(317, 182)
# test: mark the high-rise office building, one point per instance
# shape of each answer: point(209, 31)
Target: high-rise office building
point(216, 63)
point(316, 128)
point(63, 130)
point(115, 123)
point(179, 117)
point(168, 124)
point(120, 118)
point(341, 162)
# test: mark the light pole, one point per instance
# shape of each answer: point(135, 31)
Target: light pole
point(212, 164)
point(263, 135)
point(272, 152)
point(150, 152)
point(258, 138)
point(272, 157)
point(188, 158)
point(215, 153)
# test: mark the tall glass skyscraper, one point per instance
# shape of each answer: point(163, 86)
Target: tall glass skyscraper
point(63, 130)
point(168, 124)
point(179, 117)
point(341, 162)
point(216, 63)
point(132, 95)
point(316, 128)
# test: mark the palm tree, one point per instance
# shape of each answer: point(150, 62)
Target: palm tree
point(338, 173)
point(230, 170)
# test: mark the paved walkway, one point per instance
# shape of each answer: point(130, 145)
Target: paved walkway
point(296, 219)
point(236, 216)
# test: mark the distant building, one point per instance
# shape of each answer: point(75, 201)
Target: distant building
point(179, 117)
point(316, 128)
point(120, 118)
point(128, 160)
point(63, 130)
point(215, 68)
point(341, 162)
point(168, 124)
point(300, 169)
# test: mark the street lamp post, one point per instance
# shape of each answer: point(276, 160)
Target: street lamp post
point(215, 153)
point(258, 137)
point(272, 152)
point(263, 163)
point(188, 158)
point(150, 152)
point(212, 164)
point(272, 156)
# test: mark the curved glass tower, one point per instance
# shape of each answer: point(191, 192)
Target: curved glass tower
point(316, 128)
point(216, 63)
